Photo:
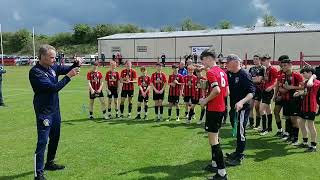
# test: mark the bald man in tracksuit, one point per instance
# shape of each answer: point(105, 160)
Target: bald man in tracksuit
point(44, 81)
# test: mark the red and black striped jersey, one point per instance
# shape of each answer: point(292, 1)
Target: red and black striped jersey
point(176, 89)
point(199, 92)
point(270, 77)
point(158, 80)
point(112, 78)
point(95, 79)
point(144, 82)
point(189, 85)
point(294, 79)
point(128, 75)
point(309, 102)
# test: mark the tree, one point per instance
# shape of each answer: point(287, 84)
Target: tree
point(224, 24)
point(168, 29)
point(269, 21)
point(20, 39)
point(60, 39)
point(102, 30)
point(188, 25)
point(129, 28)
point(82, 33)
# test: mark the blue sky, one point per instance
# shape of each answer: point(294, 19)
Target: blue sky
point(52, 16)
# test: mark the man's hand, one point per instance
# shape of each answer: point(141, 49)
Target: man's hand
point(77, 62)
point(73, 72)
point(239, 106)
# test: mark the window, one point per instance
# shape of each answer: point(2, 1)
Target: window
point(115, 49)
point(141, 48)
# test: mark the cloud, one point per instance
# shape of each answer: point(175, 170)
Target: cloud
point(16, 16)
point(261, 5)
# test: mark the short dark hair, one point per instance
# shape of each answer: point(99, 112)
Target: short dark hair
point(197, 70)
point(143, 68)
point(208, 52)
point(174, 66)
point(283, 57)
point(308, 69)
point(256, 56)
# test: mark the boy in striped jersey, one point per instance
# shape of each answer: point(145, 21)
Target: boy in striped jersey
point(144, 82)
point(95, 84)
point(200, 92)
point(158, 84)
point(176, 84)
point(112, 85)
point(308, 108)
point(188, 89)
point(128, 77)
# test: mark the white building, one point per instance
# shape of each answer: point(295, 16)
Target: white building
point(275, 41)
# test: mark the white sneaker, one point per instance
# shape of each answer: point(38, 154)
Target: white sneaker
point(106, 116)
point(178, 119)
point(187, 116)
point(129, 116)
point(168, 119)
point(91, 117)
point(295, 143)
point(264, 133)
point(257, 128)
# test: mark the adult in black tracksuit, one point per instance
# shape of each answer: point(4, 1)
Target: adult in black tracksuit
point(241, 92)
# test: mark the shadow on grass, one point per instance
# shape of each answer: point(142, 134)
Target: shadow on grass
point(16, 176)
point(264, 147)
point(188, 170)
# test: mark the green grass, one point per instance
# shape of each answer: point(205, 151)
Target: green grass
point(129, 149)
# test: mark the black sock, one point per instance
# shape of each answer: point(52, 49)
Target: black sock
point(130, 107)
point(91, 113)
point(145, 108)
point(279, 125)
point(313, 144)
point(139, 110)
point(186, 113)
point(202, 113)
point(178, 112)
point(161, 109)
point(191, 113)
point(104, 111)
point(287, 125)
point(258, 120)
point(156, 110)
point(305, 140)
point(269, 122)
point(264, 122)
point(121, 108)
point(251, 121)
point(109, 110)
point(169, 112)
point(219, 156)
point(295, 133)
point(213, 155)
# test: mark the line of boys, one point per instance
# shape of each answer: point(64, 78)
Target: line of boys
point(293, 92)
point(191, 87)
